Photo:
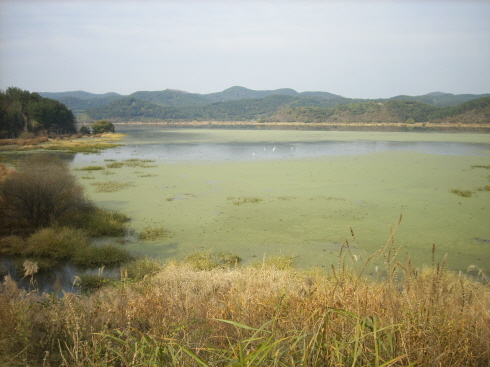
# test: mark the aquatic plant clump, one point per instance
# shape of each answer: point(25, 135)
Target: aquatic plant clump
point(245, 200)
point(141, 268)
point(105, 223)
point(115, 165)
point(481, 166)
point(111, 186)
point(56, 243)
point(279, 262)
point(463, 193)
point(91, 168)
point(484, 188)
point(142, 163)
point(88, 283)
point(207, 260)
point(105, 255)
point(153, 233)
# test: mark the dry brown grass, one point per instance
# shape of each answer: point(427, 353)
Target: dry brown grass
point(256, 316)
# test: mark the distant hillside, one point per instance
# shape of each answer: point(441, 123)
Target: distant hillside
point(172, 98)
point(78, 105)
point(392, 111)
point(300, 108)
point(176, 98)
point(132, 109)
point(235, 93)
point(79, 101)
point(77, 94)
point(241, 104)
point(475, 111)
point(440, 99)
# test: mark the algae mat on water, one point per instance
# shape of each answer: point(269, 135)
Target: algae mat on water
point(306, 207)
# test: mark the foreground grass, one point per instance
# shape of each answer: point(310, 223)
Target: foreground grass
point(176, 315)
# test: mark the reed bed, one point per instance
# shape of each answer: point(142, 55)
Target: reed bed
point(177, 315)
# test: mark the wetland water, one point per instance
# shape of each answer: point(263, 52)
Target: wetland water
point(309, 189)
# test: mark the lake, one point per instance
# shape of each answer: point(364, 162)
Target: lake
point(258, 193)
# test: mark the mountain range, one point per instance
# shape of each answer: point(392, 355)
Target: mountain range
point(242, 104)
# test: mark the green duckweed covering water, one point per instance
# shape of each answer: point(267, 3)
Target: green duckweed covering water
point(306, 207)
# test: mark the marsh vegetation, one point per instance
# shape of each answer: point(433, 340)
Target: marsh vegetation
point(46, 218)
point(207, 311)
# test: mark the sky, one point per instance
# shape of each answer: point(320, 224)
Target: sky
point(357, 49)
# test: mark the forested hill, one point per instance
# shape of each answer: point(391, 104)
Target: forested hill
point(242, 104)
point(284, 108)
point(393, 111)
point(79, 101)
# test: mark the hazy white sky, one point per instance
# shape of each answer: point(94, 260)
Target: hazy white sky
point(365, 49)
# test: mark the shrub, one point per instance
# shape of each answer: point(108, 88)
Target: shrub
point(103, 126)
point(27, 136)
point(85, 130)
point(40, 192)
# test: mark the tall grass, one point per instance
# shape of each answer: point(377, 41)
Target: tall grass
point(257, 316)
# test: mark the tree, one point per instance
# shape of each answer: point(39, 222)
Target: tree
point(22, 111)
point(103, 126)
point(84, 130)
point(39, 193)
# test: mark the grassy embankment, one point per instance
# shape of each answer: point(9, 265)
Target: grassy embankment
point(206, 311)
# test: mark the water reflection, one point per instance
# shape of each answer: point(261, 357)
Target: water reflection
point(57, 280)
